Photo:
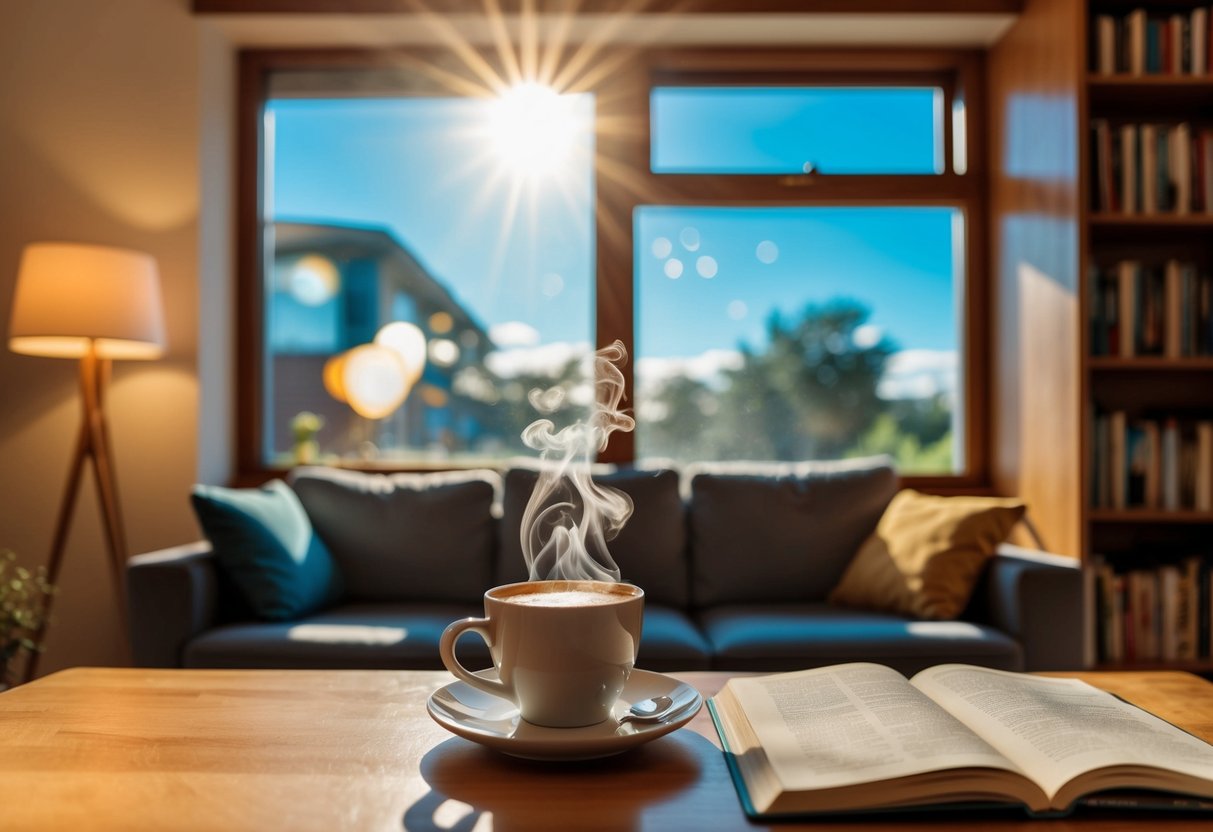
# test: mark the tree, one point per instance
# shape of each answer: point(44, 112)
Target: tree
point(812, 393)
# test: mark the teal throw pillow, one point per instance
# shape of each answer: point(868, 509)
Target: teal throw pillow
point(263, 540)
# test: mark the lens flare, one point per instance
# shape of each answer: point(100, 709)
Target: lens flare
point(534, 130)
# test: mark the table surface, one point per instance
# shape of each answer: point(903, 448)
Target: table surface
point(124, 748)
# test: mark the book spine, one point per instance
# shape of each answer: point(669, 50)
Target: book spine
point(1105, 44)
point(1118, 468)
point(1137, 42)
point(1129, 202)
point(1204, 466)
point(1170, 473)
point(1197, 41)
point(1149, 169)
point(1126, 275)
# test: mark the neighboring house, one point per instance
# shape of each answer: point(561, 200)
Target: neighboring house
point(354, 280)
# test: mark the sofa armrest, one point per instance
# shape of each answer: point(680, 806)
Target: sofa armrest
point(1037, 599)
point(173, 595)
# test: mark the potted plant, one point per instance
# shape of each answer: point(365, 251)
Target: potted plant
point(24, 602)
point(304, 427)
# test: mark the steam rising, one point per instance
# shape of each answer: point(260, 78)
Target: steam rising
point(569, 518)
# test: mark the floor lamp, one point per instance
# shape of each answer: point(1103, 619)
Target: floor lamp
point(94, 304)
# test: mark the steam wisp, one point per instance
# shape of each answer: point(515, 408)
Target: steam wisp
point(570, 518)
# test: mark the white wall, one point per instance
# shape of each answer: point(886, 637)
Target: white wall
point(100, 142)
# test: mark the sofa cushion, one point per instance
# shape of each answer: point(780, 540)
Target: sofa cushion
point(372, 636)
point(265, 544)
point(650, 550)
point(781, 532)
point(926, 554)
point(671, 641)
point(777, 637)
point(405, 537)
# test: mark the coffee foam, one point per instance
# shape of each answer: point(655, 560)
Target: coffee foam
point(566, 598)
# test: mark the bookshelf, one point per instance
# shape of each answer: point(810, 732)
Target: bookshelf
point(1146, 393)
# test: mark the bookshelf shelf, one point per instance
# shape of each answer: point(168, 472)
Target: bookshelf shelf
point(1118, 83)
point(1149, 515)
point(1152, 221)
point(1109, 363)
point(1200, 666)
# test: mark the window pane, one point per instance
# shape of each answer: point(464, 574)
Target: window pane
point(799, 333)
point(429, 261)
point(832, 130)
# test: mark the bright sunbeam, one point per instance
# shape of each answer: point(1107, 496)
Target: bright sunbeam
point(535, 132)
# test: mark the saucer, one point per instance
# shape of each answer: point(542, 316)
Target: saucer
point(494, 722)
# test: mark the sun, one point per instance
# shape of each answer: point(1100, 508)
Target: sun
point(535, 132)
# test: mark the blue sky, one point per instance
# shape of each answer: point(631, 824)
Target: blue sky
point(425, 169)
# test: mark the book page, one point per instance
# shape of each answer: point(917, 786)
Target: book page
point(854, 723)
point(1057, 729)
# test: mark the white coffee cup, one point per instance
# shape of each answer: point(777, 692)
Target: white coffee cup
point(563, 649)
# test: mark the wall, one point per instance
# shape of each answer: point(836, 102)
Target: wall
point(100, 143)
point(1035, 77)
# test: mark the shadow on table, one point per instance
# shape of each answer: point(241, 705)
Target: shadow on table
point(638, 788)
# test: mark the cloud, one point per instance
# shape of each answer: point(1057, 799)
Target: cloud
point(707, 368)
point(544, 359)
point(514, 334)
point(920, 374)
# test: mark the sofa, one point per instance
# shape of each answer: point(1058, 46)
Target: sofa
point(736, 563)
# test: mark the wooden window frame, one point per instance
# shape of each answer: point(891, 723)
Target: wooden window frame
point(623, 142)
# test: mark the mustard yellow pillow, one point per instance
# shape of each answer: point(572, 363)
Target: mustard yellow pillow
point(926, 554)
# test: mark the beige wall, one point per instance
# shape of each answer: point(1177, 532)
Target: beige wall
point(100, 143)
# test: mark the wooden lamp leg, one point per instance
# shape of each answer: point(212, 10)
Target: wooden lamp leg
point(92, 442)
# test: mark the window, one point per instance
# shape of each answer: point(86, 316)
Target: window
point(427, 264)
point(785, 246)
point(787, 333)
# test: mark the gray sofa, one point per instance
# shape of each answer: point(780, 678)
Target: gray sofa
point(736, 565)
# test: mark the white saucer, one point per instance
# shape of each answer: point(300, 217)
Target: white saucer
point(495, 723)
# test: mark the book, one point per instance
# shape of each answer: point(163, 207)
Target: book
point(862, 738)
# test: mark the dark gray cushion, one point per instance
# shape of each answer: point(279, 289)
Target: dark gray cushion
point(423, 537)
point(372, 636)
point(780, 637)
point(670, 641)
point(784, 532)
point(650, 550)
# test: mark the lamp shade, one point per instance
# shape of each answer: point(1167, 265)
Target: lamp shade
point(71, 296)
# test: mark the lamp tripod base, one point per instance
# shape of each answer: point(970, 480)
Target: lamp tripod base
point(92, 442)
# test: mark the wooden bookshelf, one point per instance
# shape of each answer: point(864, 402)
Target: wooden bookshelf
point(1148, 388)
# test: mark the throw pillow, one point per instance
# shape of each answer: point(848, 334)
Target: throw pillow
point(263, 540)
point(780, 532)
point(926, 554)
point(405, 537)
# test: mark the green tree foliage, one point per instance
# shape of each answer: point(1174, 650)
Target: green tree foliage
point(812, 394)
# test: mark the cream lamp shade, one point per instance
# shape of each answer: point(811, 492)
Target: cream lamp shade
point(70, 297)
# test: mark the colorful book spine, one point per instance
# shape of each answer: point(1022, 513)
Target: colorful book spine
point(1148, 614)
point(1151, 43)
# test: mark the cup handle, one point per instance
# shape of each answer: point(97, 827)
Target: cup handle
point(446, 647)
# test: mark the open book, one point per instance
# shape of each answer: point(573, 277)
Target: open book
point(861, 737)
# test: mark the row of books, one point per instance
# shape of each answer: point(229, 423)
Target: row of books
point(1152, 168)
point(1140, 309)
point(1141, 43)
point(1157, 614)
point(1152, 463)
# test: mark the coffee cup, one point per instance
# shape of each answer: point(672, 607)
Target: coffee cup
point(563, 649)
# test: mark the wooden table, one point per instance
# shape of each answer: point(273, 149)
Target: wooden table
point(133, 749)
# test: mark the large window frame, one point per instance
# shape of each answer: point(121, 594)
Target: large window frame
point(622, 140)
